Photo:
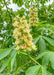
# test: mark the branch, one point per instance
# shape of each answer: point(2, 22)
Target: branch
point(43, 6)
point(8, 12)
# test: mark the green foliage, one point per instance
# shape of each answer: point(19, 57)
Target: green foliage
point(49, 40)
point(19, 2)
point(42, 45)
point(47, 56)
point(4, 53)
point(37, 70)
point(40, 62)
point(33, 70)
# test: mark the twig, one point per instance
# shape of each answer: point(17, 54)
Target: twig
point(8, 12)
point(43, 6)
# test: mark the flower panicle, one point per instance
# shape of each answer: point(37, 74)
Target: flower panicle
point(22, 35)
point(33, 16)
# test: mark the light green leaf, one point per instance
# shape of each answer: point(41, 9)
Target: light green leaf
point(5, 64)
point(47, 57)
point(36, 40)
point(45, 60)
point(13, 60)
point(33, 70)
point(49, 40)
point(41, 55)
point(5, 52)
point(44, 72)
point(52, 59)
point(42, 45)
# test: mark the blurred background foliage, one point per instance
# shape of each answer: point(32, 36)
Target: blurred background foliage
point(43, 34)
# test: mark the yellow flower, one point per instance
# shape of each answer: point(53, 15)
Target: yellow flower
point(22, 35)
point(22, 24)
point(29, 49)
point(15, 19)
point(17, 41)
point(30, 36)
point(15, 24)
point(25, 38)
point(26, 30)
point(33, 16)
point(25, 22)
point(23, 17)
point(30, 46)
point(18, 47)
point(34, 47)
point(29, 42)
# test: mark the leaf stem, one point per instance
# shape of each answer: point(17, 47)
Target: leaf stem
point(34, 60)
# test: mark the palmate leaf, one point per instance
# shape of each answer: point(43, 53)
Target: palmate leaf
point(33, 70)
point(37, 70)
point(49, 40)
point(9, 62)
point(42, 45)
point(5, 64)
point(41, 55)
point(13, 57)
point(5, 52)
point(47, 57)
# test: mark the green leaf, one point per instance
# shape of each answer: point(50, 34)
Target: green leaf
point(37, 70)
point(49, 40)
point(14, 1)
point(5, 64)
point(13, 60)
point(20, 3)
point(52, 59)
point(8, 61)
point(41, 55)
point(45, 60)
point(36, 40)
point(44, 72)
point(47, 57)
point(42, 45)
point(5, 52)
point(27, 4)
point(33, 70)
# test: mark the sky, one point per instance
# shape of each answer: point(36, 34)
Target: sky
point(15, 7)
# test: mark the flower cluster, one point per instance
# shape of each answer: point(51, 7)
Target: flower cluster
point(33, 16)
point(22, 35)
